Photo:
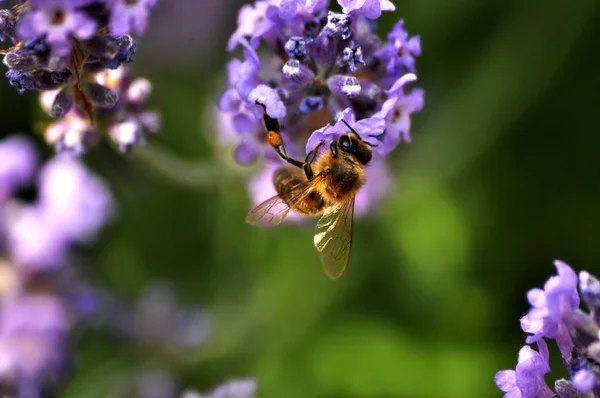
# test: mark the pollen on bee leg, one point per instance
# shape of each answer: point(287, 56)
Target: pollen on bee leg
point(274, 139)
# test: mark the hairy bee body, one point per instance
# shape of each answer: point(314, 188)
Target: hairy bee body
point(343, 177)
point(287, 178)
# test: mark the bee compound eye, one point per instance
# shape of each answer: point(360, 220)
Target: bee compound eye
point(345, 142)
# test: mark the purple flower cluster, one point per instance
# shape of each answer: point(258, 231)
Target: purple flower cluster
point(65, 47)
point(555, 315)
point(44, 211)
point(157, 320)
point(310, 68)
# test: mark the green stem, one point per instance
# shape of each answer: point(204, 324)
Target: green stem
point(190, 173)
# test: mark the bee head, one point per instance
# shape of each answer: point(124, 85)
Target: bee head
point(351, 143)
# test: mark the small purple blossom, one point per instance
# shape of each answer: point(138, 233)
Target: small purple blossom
point(19, 162)
point(368, 8)
point(32, 334)
point(252, 22)
point(396, 111)
point(527, 380)
point(401, 50)
point(550, 306)
point(584, 380)
point(159, 320)
point(72, 206)
point(127, 15)
point(128, 123)
point(57, 21)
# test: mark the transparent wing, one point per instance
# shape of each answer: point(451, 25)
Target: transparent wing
point(274, 210)
point(333, 238)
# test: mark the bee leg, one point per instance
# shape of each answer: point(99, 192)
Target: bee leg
point(276, 141)
point(311, 155)
point(309, 159)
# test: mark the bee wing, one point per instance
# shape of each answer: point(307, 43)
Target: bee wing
point(274, 210)
point(333, 238)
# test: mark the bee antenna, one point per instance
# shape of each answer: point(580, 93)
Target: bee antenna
point(351, 129)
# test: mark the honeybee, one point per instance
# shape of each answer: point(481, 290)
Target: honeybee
point(323, 185)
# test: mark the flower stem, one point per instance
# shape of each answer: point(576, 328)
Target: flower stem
point(190, 173)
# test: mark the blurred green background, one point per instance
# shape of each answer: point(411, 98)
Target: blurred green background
point(500, 180)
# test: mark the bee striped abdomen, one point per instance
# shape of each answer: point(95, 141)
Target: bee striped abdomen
point(285, 179)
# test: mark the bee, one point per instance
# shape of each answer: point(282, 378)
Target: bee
point(323, 185)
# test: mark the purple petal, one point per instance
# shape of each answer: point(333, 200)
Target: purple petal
point(125, 16)
point(387, 5)
point(401, 82)
point(506, 380)
point(76, 202)
point(347, 115)
point(297, 72)
point(544, 352)
point(245, 122)
point(33, 242)
point(29, 25)
point(250, 20)
point(83, 27)
point(230, 101)
point(348, 86)
point(530, 371)
point(370, 128)
point(367, 8)
point(564, 340)
point(247, 152)
point(268, 97)
point(413, 45)
point(329, 132)
point(316, 5)
point(584, 380)
point(127, 134)
point(288, 9)
point(233, 66)
point(19, 162)
point(536, 297)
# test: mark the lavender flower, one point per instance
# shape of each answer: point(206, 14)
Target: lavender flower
point(64, 47)
point(367, 8)
point(130, 15)
point(36, 237)
point(32, 336)
point(555, 314)
point(549, 306)
point(316, 68)
point(19, 162)
point(400, 51)
point(527, 380)
point(128, 122)
point(57, 21)
point(160, 320)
